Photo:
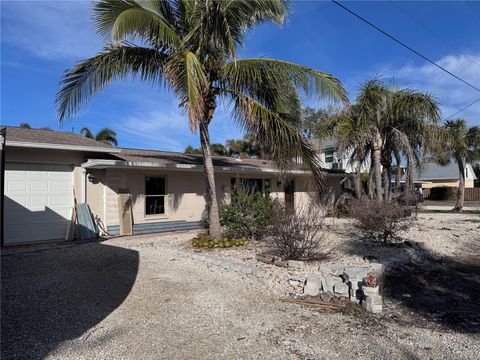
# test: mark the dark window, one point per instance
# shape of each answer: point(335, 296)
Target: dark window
point(329, 153)
point(154, 195)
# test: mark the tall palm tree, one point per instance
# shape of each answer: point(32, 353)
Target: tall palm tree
point(191, 47)
point(383, 123)
point(105, 135)
point(462, 144)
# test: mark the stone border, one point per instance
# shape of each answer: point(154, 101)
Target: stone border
point(257, 273)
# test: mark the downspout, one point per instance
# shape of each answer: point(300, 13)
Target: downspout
point(3, 136)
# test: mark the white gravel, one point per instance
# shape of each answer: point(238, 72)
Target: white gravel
point(126, 299)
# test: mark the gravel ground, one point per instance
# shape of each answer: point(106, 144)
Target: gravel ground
point(126, 299)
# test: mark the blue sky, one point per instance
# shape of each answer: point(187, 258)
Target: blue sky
point(40, 40)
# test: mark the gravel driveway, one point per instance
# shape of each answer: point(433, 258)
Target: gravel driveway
point(129, 300)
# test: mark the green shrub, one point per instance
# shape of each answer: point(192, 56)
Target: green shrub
point(249, 213)
point(442, 193)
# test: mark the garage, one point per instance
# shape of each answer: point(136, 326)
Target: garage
point(38, 200)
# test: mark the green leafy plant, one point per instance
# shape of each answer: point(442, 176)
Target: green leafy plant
point(249, 213)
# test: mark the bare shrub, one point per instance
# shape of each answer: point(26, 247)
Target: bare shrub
point(298, 236)
point(381, 221)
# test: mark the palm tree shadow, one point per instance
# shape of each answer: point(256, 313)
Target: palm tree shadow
point(54, 294)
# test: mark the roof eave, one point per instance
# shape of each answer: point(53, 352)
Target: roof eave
point(36, 145)
point(109, 164)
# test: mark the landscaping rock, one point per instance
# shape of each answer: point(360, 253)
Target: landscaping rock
point(370, 291)
point(295, 264)
point(312, 286)
point(375, 267)
point(354, 273)
point(341, 289)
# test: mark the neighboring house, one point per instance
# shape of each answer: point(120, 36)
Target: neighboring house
point(333, 159)
point(432, 175)
point(46, 170)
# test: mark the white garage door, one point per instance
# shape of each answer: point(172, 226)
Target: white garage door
point(38, 199)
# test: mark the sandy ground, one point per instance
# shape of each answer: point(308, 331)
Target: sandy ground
point(126, 299)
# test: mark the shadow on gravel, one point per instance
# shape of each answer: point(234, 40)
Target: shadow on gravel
point(50, 295)
point(443, 291)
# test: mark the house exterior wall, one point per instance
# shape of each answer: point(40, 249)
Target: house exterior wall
point(469, 183)
point(185, 193)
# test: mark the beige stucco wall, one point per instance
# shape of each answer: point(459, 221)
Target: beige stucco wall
point(185, 193)
point(468, 184)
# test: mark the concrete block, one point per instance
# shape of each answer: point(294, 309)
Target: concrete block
point(328, 282)
point(373, 300)
point(375, 267)
point(354, 272)
point(372, 308)
point(370, 291)
point(312, 286)
point(295, 264)
point(341, 289)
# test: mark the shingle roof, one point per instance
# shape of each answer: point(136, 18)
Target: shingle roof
point(176, 158)
point(50, 137)
point(433, 171)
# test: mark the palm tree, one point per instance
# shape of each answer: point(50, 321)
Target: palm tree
point(462, 144)
point(382, 124)
point(105, 135)
point(191, 47)
point(24, 125)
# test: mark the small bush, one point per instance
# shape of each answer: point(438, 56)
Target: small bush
point(298, 236)
point(379, 220)
point(249, 213)
point(442, 193)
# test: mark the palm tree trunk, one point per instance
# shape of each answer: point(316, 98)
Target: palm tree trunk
point(398, 174)
point(358, 180)
point(386, 183)
point(371, 182)
point(377, 147)
point(461, 185)
point(215, 230)
point(409, 176)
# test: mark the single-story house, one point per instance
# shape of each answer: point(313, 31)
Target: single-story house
point(45, 170)
point(432, 175)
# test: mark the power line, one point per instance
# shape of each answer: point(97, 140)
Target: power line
point(473, 9)
point(405, 45)
point(433, 32)
point(465, 108)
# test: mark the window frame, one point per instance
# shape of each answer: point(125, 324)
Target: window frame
point(328, 156)
point(164, 196)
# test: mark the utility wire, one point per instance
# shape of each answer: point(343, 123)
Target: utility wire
point(404, 45)
point(433, 32)
point(473, 9)
point(465, 108)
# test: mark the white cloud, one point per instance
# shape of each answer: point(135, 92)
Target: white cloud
point(50, 29)
point(452, 94)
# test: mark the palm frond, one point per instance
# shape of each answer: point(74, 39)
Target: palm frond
point(284, 141)
point(149, 20)
point(107, 136)
point(187, 77)
point(244, 73)
point(87, 133)
point(91, 76)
